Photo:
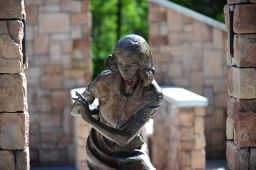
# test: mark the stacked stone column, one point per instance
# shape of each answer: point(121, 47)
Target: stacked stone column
point(240, 16)
point(14, 151)
point(179, 140)
point(189, 53)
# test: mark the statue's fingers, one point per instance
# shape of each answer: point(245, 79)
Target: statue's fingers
point(85, 104)
point(75, 99)
point(81, 101)
point(77, 93)
point(80, 96)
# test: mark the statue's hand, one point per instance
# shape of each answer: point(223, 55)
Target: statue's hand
point(85, 112)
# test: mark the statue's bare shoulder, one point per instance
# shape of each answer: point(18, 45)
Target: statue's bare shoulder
point(107, 79)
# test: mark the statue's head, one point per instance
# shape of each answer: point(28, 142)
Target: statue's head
point(131, 57)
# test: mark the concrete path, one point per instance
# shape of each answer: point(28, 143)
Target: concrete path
point(216, 164)
point(210, 165)
point(54, 168)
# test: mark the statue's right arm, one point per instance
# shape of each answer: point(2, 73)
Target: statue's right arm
point(124, 135)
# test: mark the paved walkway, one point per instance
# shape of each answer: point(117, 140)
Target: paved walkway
point(216, 164)
point(210, 165)
point(54, 168)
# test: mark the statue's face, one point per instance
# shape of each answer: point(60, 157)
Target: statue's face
point(128, 67)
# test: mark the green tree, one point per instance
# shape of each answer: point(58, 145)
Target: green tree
point(103, 31)
point(108, 25)
point(135, 18)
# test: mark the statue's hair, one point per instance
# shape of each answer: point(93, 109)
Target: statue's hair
point(134, 46)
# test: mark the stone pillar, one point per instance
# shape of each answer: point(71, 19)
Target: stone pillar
point(241, 60)
point(180, 135)
point(178, 141)
point(175, 30)
point(14, 120)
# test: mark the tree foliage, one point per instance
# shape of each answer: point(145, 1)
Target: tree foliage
point(105, 26)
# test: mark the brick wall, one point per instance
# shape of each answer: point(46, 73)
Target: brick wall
point(190, 52)
point(241, 60)
point(14, 118)
point(58, 46)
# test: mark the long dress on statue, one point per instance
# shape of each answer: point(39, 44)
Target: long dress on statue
point(120, 111)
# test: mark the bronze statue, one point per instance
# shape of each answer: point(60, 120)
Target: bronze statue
point(128, 97)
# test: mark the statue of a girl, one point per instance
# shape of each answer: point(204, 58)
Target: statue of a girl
point(128, 97)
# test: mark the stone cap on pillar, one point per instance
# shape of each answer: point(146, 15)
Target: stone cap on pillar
point(183, 98)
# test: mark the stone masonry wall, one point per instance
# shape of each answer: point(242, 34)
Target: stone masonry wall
point(81, 134)
point(179, 132)
point(241, 60)
point(14, 118)
point(58, 46)
point(191, 54)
